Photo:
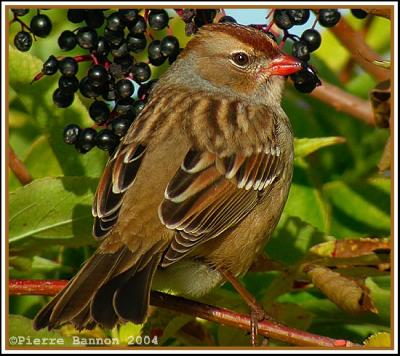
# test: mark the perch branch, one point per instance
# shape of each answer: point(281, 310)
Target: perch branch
point(344, 102)
point(208, 312)
point(18, 168)
point(363, 54)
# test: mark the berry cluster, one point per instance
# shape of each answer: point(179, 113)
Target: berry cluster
point(122, 51)
point(40, 26)
point(310, 40)
point(110, 41)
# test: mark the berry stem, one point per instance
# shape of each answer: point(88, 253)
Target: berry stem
point(83, 58)
point(18, 167)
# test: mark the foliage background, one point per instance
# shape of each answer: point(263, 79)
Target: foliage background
point(337, 193)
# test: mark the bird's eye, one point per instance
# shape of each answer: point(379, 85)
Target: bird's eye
point(240, 58)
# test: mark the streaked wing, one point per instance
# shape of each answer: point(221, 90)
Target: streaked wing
point(209, 195)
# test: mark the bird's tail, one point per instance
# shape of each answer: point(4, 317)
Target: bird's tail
point(110, 288)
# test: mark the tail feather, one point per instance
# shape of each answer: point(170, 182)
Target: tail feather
point(88, 297)
point(136, 291)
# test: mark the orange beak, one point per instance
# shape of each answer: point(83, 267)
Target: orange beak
point(284, 64)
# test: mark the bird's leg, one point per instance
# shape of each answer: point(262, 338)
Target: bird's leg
point(257, 311)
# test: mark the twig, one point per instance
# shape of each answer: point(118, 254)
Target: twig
point(212, 313)
point(353, 40)
point(18, 168)
point(344, 102)
point(379, 12)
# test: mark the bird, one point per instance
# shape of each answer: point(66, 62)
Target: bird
point(195, 189)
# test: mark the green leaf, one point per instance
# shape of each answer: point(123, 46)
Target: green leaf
point(21, 333)
point(41, 160)
point(305, 146)
point(380, 297)
point(361, 209)
point(305, 200)
point(53, 209)
point(296, 236)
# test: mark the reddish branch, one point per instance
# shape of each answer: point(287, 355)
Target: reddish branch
point(380, 12)
point(216, 314)
point(344, 102)
point(18, 168)
point(363, 54)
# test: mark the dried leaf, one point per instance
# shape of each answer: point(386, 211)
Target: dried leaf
point(385, 162)
point(382, 64)
point(380, 101)
point(350, 248)
point(348, 294)
point(379, 340)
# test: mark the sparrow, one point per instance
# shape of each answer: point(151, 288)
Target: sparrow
point(196, 187)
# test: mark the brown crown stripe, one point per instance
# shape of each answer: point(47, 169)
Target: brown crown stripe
point(248, 36)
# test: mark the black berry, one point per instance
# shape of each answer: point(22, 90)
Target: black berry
point(124, 88)
point(138, 107)
point(224, 19)
point(94, 18)
point(99, 112)
point(67, 40)
point(86, 140)
point(87, 38)
point(312, 38)
point(158, 19)
point(98, 74)
point(328, 17)
point(68, 66)
point(23, 41)
point(141, 72)
point(20, 12)
point(120, 125)
point(76, 15)
point(169, 46)
point(68, 85)
point(89, 89)
point(282, 19)
point(138, 26)
point(155, 55)
point(136, 43)
point(300, 50)
point(50, 67)
point(129, 15)
point(305, 81)
point(125, 106)
point(145, 89)
point(106, 140)
point(358, 13)
point(115, 22)
point(40, 25)
point(71, 134)
point(62, 99)
point(299, 16)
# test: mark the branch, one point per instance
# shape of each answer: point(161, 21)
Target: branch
point(208, 312)
point(344, 102)
point(18, 168)
point(363, 54)
point(386, 13)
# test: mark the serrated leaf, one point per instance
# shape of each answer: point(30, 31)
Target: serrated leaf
point(305, 146)
point(347, 294)
point(379, 340)
point(20, 329)
point(56, 210)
